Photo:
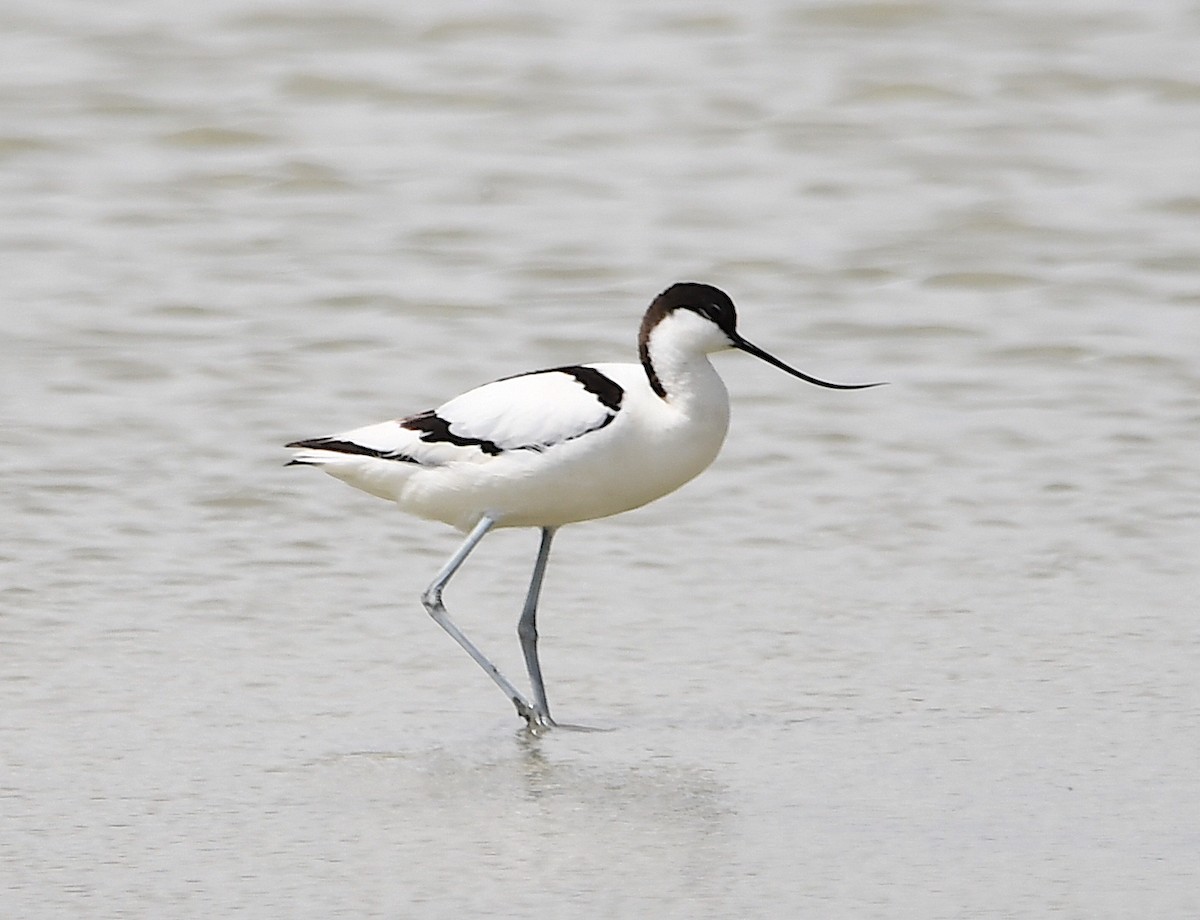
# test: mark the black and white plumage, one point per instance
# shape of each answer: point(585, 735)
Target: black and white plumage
point(553, 447)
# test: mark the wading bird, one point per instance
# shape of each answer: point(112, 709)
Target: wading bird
point(552, 447)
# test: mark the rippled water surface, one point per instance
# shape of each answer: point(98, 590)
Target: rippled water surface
point(929, 650)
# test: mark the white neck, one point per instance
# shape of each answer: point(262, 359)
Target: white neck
point(676, 358)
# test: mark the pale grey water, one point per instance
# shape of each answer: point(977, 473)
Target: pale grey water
point(924, 651)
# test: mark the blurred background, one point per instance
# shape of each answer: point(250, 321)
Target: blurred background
point(924, 651)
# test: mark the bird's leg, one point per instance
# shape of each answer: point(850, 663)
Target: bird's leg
point(527, 628)
point(432, 599)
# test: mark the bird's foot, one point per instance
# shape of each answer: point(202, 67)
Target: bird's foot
point(536, 722)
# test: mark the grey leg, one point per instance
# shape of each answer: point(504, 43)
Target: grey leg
point(527, 628)
point(432, 599)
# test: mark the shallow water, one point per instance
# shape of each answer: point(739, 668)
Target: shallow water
point(922, 651)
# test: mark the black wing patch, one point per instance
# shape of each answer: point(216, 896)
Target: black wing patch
point(605, 389)
point(349, 447)
point(435, 428)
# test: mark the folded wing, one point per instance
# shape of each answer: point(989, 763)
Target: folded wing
point(529, 412)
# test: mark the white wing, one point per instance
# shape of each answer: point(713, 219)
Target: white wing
point(531, 411)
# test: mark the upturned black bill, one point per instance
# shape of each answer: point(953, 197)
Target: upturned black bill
point(752, 349)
